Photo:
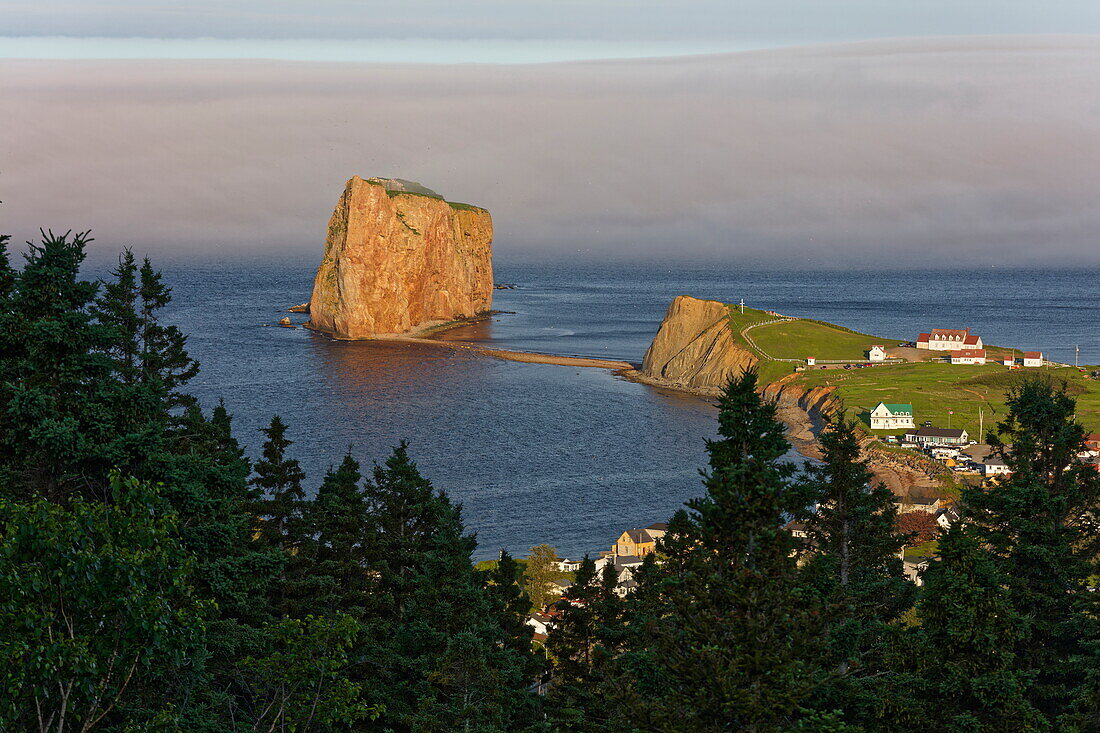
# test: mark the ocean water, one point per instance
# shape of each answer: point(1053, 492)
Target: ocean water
point(543, 453)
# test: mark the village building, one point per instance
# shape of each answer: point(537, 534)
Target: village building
point(811, 361)
point(925, 437)
point(891, 416)
point(968, 356)
point(1009, 361)
point(639, 542)
point(876, 353)
point(1033, 358)
point(946, 517)
point(949, 339)
point(928, 504)
point(542, 624)
point(1092, 441)
point(994, 467)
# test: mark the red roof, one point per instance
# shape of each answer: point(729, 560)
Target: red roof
point(941, 332)
point(971, 341)
point(1033, 355)
point(964, 353)
point(924, 337)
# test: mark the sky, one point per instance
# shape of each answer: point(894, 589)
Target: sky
point(847, 133)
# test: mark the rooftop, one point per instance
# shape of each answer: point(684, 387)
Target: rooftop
point(938, 432)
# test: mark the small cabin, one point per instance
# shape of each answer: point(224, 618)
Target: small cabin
point(1033, 358)
point(876, 353)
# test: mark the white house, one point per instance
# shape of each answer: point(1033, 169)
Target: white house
point(994, 467)
point(876, 353)
point(949, 339)
point(811, 361)
point(1033, 358)
point(541, 623)
point(890, 416)
point(968, 356)
point(1009, 361)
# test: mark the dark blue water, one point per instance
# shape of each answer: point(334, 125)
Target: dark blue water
point(540, 453)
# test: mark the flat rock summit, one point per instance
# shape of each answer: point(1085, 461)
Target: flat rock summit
point(400, 259)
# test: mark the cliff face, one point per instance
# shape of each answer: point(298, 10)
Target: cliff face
point(694, 347)
point(396, 263)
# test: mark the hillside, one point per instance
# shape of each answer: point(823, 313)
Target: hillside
point(701, 343)
point(948, 395)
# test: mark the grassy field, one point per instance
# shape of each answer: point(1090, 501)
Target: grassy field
point(739, 321)
point(935, 390)
point(802, 338)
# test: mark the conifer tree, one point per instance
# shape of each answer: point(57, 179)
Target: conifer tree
point(441, 656)
point(165, 363)
point(960, 670)
point(337, 555)
point(730, 650)
point(117, 307)
point(853, 566)
point(279, 510)
point(510, 601)
point(571, 648)
point(1041, 525)
point(56, 400)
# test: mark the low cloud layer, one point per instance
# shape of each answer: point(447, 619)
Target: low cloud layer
point(928, 152)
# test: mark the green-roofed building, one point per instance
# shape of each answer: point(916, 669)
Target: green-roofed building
point(891, 416)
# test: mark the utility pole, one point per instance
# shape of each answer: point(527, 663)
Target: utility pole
point(742, 306)
point(1077, 356)
point(981, 424)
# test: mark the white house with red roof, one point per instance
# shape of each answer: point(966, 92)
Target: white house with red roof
point(968, 356)
point(1009, 361)
point(876, 353)
point(949, 339)
point(1033, 358)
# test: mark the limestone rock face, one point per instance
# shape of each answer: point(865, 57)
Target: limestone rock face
point(396, 262)
point(694, 347)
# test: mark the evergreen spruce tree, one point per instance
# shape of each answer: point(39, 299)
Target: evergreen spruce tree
point(279, 509)
point(165, 364)
point(56, 397)
point(505, 587)
point(730, 650)
point(117, 307)
point(959, 670)
point(337, 556)
point(853, 566)
point(436, 644)
point(571, 647)
point(1041, 526)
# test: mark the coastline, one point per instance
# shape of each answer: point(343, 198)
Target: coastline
point(802, 427)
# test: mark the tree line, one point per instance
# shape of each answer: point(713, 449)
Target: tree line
point(153, 578)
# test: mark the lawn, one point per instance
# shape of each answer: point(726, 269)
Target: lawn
point(936, 390)
point(739, 321)
point(801, 338)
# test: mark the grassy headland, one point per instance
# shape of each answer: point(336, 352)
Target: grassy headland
point(801, 338)
point(949, 395)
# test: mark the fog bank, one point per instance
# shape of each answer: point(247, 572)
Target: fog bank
point(923, 153)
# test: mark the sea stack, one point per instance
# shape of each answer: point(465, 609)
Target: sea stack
point(398, 260)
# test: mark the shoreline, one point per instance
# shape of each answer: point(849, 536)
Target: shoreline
point(802, 428)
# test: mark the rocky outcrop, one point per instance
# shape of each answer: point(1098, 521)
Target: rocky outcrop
point(694, 348)
point(815, 401)
point(397, 262)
